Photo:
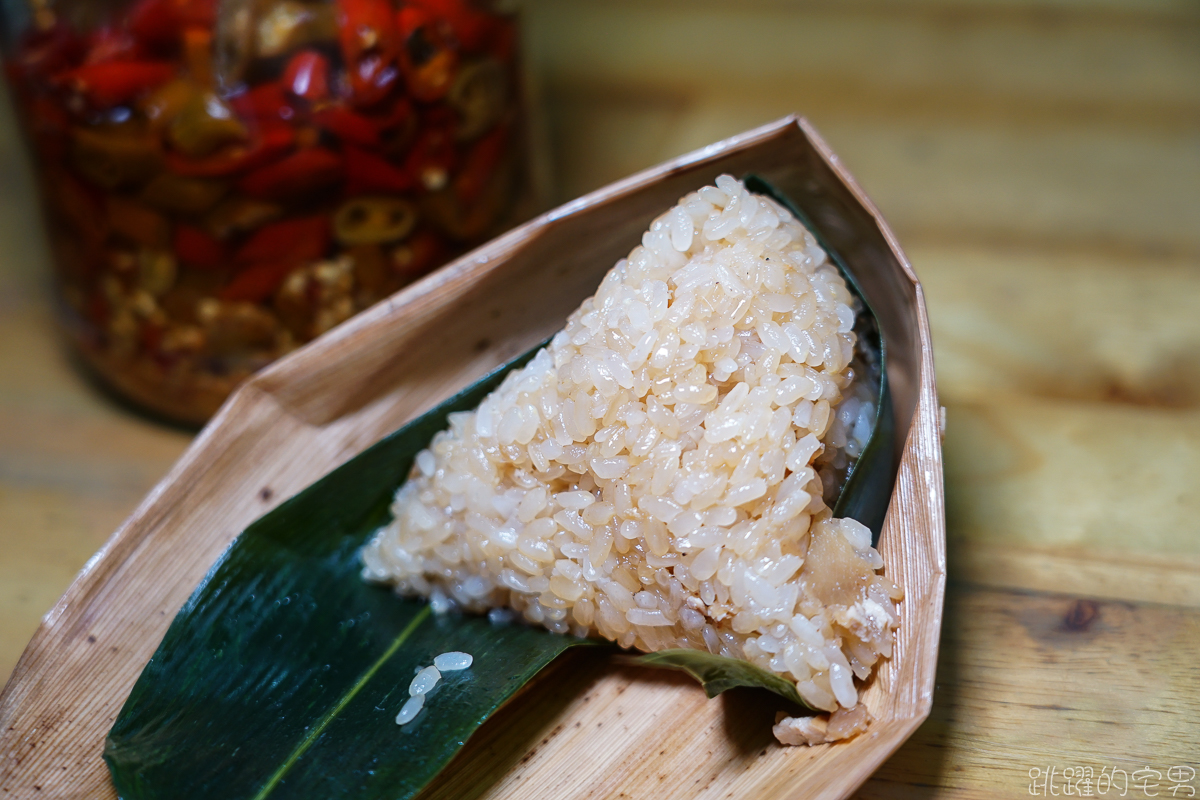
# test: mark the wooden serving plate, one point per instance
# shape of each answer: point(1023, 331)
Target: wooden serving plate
point(591, 728)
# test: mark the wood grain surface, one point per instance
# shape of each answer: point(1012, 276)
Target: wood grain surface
point(1038, 159)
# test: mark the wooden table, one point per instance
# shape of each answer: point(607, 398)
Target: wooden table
point(1040, 162)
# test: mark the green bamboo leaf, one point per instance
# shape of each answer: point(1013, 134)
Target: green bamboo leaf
point(282, 675)
point(720, 673)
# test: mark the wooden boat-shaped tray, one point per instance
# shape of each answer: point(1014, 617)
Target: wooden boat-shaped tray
point(592, 728)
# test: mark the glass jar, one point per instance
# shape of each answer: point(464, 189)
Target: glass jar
point(224, 180)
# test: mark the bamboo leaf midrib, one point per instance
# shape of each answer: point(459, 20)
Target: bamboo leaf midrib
point(316, 730)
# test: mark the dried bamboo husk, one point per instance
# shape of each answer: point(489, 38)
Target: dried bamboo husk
point(586, 731)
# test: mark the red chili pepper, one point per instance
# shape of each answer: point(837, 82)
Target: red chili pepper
point(410, 18)
point(274, 251)
point(293, 241)
point(299, 173)
point(198, 249)
point(307, 75)
point(427, 57)
point(115, 83)
point(393, 115)
point(347, 125)
point(370, 46)
point(43, 53)
point(198, 13)
point(366, 172)
point(257, 283)
point(112, 44)
point(159, 24)
point(155, 22)
point(268, 144)
point(420, 253)
point(267, 102)
point(479, 165)
point(432, 158)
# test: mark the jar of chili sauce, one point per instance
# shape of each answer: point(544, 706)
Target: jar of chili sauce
point(226, 179)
